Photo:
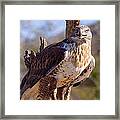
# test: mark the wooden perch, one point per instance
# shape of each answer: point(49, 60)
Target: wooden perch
point(70, 25)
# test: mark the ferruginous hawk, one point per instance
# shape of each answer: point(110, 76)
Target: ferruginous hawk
point(63, 63)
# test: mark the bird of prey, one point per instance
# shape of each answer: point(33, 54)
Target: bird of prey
point(62, 64)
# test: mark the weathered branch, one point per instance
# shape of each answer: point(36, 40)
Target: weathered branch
point(43, 43)
point(70, 25)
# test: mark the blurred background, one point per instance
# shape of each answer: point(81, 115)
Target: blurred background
point(54, 31)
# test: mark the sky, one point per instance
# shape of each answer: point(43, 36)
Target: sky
point(29, 29)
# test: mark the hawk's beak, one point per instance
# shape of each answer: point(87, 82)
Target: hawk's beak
point(84, 35)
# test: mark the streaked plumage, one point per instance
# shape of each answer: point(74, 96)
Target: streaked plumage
point(64, 62)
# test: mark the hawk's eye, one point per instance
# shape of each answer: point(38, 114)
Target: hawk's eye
point(87, 30)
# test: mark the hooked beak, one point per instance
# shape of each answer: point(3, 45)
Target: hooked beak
point(84, 35)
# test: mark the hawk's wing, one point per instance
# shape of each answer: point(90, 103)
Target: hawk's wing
point(48, 59)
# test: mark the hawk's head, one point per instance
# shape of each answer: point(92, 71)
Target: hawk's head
point(29, 57)
point(82, 32)
point(85, 32)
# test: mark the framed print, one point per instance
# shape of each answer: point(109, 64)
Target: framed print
point(59, 59)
